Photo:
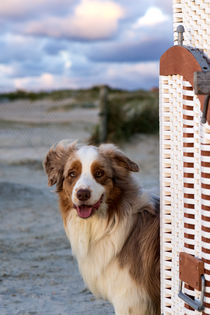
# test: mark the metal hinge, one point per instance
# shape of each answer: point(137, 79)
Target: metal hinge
point(197, 305)
point(191, 272)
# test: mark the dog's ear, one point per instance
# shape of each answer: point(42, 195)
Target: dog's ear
point(117, 157)
point(55, 161)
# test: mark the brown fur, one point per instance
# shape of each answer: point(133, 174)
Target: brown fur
point(65, 205)
point(54, 164)
point(146, 269)
point(145, 234)
point(121, 183)
point(65, 200)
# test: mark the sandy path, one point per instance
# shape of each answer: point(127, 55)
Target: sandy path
point(38, 273)
point(38, 112)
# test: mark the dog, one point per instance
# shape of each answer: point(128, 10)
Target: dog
point(112, 225)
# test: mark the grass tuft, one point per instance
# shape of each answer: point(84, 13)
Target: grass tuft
point(129, 113)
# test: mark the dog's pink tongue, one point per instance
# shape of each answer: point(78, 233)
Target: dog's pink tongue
point(84, 211)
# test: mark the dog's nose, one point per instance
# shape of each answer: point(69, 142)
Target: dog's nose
point(83, 194)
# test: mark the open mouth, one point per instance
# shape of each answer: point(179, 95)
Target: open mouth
point(85, 211)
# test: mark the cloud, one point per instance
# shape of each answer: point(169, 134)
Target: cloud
point(127, 76)
point(6, 70)
point(24, 8)
point(133, 76)
point(165, 5)
point(66, 59)
point(91, 20)
point(45, 81)
point(53, 47)
point(149, 49)
point(26, 57)
point(47, 44)
point(152, 17)
point(18, 48)
point(30, 68)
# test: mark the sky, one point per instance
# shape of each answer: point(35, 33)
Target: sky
point(61, 44)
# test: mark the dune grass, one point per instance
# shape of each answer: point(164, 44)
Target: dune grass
point(129, 113)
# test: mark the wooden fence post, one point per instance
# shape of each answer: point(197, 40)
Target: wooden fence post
point(103, 113)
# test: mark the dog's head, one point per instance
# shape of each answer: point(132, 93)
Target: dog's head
point(89, 176)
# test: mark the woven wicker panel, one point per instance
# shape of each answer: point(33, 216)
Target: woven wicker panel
point(205, 208)
point(191, 178)
point(194, 15)
point(185, 194)
point(171, 169)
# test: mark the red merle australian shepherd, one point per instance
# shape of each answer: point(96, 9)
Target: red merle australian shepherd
point(113, 227)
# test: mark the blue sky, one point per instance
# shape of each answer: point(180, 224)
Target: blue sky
point(55, 44)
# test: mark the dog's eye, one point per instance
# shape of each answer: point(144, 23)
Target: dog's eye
point(72, 174)
point(99, 173)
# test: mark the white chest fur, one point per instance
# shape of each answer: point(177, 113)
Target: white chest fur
point(96, 246)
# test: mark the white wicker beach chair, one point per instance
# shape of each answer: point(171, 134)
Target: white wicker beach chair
point(185, 163)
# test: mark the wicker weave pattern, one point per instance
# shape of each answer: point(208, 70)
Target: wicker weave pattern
point(171, 166)
point(181, 192)
point(191, 176)
point(195, 16)
point(205, 208)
